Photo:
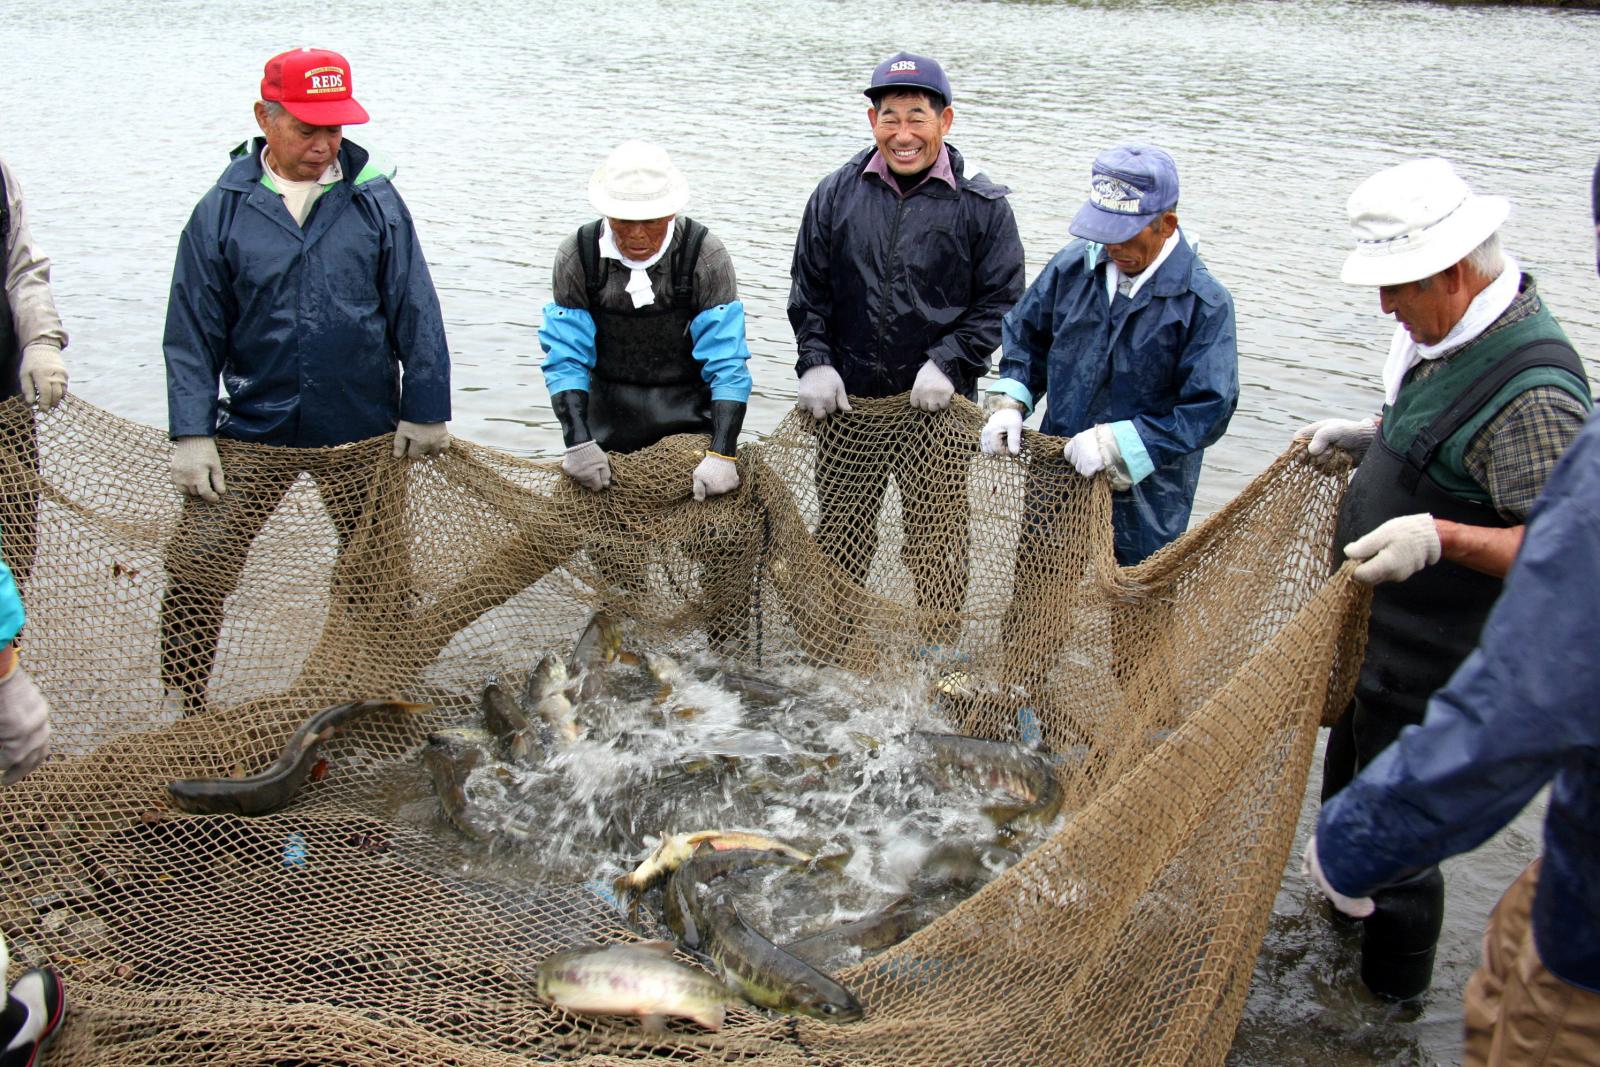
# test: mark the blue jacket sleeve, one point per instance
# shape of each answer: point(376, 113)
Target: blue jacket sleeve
point(416, 325)
point(811, 282)
point(964, 351)
point(1207, 381)
point(12, 615)
point(1026, 333)
point(567, 337)
point(200, 314)
point(1510, 719)
point(719, 345)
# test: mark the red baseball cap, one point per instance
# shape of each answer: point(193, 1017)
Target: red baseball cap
point(313, 85)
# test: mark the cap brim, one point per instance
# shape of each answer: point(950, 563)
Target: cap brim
point(1108, 227)
point(327, 112)
point(1395, 264)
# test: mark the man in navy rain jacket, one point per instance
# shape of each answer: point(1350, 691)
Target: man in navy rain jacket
point(1132, 340)
point(299, 283)
point(1520, 713)
point(903, 269)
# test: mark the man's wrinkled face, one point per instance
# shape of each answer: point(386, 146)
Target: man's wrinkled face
point(1422, 307)
point(295, 150)
point(1139, 251)
point(639, 239)
point(909, 130)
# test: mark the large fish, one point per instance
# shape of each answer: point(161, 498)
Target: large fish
point(764, 973)
point(516, 731)
point(545, 696)
point(707, 866)
point(849, 941)
point(1019, 771)
point(640, 979)
point(451, 756)
point(599, 644)
point(276, 786)
point(674, 849)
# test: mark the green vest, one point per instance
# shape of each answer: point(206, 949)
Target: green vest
point(1420, 402)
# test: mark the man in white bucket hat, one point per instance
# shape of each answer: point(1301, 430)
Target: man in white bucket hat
point(1483, 393)
point(645, 335)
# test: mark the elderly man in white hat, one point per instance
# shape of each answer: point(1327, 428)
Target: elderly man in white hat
point(645, 336)
point(1482, 394)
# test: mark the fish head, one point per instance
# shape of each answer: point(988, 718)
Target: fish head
point(549, 677)
point(826, 1000)
point(457, 740)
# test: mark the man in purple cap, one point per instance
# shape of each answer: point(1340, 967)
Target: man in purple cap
point(1132, 340)
point(301, 285)
point(903, 269)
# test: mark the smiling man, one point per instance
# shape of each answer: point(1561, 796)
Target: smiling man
point(903, 268)
point(1132, 341)
point(1482, 395)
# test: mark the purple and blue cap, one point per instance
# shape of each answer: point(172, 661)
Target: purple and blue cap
point(906, 71)
point(1129, 188)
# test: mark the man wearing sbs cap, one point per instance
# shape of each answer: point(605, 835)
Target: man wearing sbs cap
point(1132, 341)
point(301, 284)
point(645, 337)
point(903, 268)
point(1483, 394)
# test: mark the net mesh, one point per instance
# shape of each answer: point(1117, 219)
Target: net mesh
point(333, 932)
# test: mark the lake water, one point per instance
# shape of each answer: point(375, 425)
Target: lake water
point(119, 115)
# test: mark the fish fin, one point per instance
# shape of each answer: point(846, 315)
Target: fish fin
point(834, 861)
point(710, 1016)
point(665, 948)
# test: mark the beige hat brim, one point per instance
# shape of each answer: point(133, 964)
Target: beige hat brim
point(669, 202)
point(1425, 254)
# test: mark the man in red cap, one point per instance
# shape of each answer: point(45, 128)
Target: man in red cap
point(301, 285)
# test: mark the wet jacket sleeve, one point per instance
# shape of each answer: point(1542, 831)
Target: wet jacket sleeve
point(1518, 711)
point(963, 353)
point(416, 325)
point(567, 337)
point(27, 276)
point(12, 615)
point(200, 313)
point(811, 282)
point(1026, 335)
point(719, 345)
point(1207, 388)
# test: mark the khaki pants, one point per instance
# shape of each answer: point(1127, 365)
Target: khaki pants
point(1515, 1011)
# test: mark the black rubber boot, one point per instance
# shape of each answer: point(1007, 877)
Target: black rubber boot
point(1399, 939)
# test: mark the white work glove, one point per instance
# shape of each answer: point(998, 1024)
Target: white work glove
point(414, 440)
point(1311, 867)
point(1003, 431)
point(42, 374)
point(1349, 435)
point(1087, 452)
point(821, 392)
point(1396, 550)
point(714, 476)
point(196, 467)
point(24, 725)
point(588, 465)
point(933, 390)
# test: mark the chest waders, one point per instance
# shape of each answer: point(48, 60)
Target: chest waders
point(1420, 631)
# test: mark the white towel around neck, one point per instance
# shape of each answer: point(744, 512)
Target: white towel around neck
point(638, 287)
point(1486, 307)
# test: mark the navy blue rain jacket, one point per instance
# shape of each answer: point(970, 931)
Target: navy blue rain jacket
point(320, 335)
point(1523, 710)
point(1167, 362)
point(882, 284)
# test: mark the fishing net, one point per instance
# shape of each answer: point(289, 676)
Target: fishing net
point(879, 546)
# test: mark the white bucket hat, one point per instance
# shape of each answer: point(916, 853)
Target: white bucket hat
point(1414, 220)
point(638, 182)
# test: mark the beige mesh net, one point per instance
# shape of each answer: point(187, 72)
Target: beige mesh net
point(1194, 683)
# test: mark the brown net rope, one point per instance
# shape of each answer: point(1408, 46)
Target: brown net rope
point(1191, 686)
